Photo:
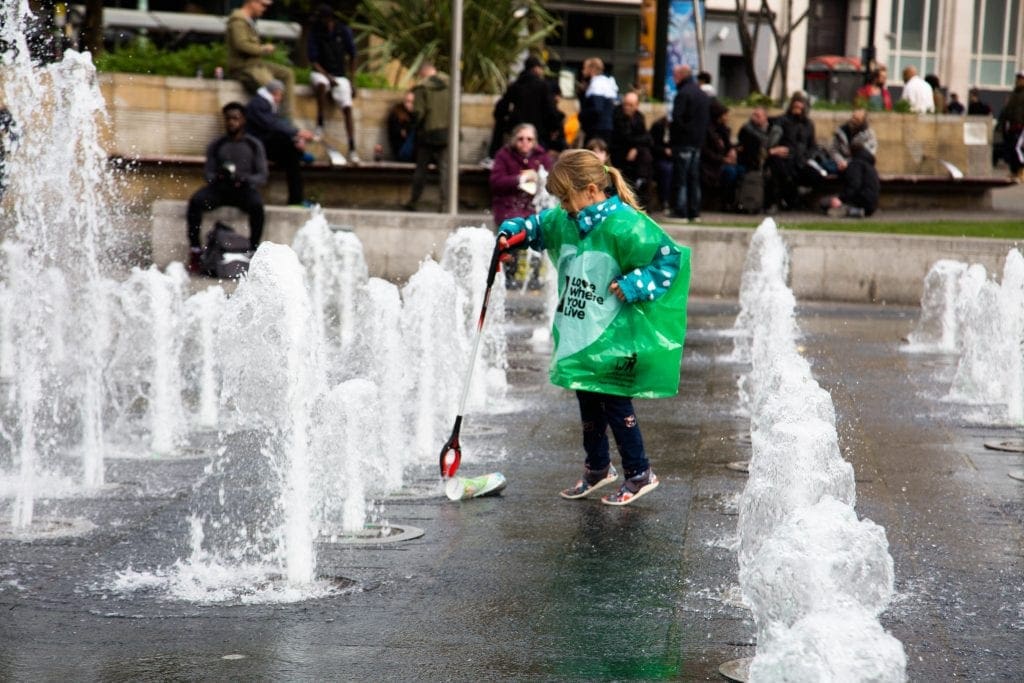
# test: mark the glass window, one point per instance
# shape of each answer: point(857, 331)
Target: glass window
point(992, 29)
point(627, 33)
point(991, 72)
point(591, 30)
point(933, 24)
point(913, 25)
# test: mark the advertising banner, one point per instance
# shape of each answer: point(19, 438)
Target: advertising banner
point(681, 45)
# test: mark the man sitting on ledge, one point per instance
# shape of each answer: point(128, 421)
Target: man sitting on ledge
point(236, 165)
point(284, 143)
point(246, 52)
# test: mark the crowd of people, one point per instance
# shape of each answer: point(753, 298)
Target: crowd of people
point(679, 164)
point(687, 161)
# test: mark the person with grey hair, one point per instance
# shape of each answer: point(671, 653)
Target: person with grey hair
point(285, 144)
point(856, 129)
point(515, 179)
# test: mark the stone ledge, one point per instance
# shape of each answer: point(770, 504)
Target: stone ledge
point(825, 266)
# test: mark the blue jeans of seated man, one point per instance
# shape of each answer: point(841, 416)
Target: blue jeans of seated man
point(601, 411)
point(686, 180)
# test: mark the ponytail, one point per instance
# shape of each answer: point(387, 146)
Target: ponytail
point(621, 187)
point(577, 168)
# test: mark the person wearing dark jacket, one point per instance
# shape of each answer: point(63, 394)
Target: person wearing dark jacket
point(1011, 124)
point(719, 170)
point(752, 141)
point(285, 144)
point(661, 150)
point(790, 158)
point(631, 145)
point(975, 105)
point(529, 99)
point(691, 116)
point(859, 196)
point(236, 167)
point(332, 54)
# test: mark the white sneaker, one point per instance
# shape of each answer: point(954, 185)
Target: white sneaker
point(353, 157)
point(318, 133)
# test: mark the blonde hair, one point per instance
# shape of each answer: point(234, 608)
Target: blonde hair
point(577, 168)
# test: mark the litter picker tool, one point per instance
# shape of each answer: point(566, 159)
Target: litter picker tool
point(451, 453)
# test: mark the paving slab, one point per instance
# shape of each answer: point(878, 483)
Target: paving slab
point(528, 586)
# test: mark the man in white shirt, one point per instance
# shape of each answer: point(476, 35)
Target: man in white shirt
point(917, 92)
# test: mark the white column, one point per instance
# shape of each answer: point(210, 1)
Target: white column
point(956, 36)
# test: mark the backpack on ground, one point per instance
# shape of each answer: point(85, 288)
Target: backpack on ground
point(750, 195)
point(226, 254)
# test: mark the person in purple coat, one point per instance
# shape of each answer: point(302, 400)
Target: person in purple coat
point(514, 181)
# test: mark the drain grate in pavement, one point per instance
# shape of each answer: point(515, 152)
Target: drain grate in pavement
point(374, 534)
point(1006, 445)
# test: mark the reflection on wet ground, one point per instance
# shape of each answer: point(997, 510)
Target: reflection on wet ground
point(530, 586)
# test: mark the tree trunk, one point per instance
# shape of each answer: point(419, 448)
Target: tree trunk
point(91, 38)
point(748, 45)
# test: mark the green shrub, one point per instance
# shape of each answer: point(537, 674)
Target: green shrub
point(373, 81)
point(142, 57)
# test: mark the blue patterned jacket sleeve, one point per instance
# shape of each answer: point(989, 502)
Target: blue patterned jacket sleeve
point(534, 235)
point(652, 281)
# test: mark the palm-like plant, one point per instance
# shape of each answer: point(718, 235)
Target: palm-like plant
point(495, 34)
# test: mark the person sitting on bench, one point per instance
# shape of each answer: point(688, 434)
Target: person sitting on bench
point(236, 166)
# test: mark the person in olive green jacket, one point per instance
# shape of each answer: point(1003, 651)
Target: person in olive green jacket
point(432, 114)
point(245, 61)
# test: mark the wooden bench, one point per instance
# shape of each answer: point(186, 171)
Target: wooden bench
point(909, 191)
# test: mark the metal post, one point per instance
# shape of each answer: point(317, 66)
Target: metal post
point(698, 25)
point(456, 93)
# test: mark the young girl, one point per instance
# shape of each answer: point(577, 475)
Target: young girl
point(621, 316)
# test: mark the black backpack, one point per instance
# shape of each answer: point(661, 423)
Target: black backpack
point(225, 255)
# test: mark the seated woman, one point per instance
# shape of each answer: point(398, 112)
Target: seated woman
point(720, 173)
point(401, 131)
point(514, 180)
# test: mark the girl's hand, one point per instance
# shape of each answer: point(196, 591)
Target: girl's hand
point(505, 255)
point(617, 291)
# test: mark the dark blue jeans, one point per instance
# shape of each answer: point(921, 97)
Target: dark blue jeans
point(686, 180)
point(600, 411)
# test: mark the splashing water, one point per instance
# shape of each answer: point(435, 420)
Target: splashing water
point(59, 112)
point(937, 328)
point(965, 312)
point(139, 362)
point(336, 272)
point(143, 372)
point(199, 358)
point(808, 568)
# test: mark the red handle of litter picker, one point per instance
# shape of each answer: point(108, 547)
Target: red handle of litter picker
point(516, 239)
point(492, 271)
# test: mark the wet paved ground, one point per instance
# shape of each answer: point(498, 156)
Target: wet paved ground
point(528, 586)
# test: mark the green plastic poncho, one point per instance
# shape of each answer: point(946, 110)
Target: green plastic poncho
point(600, 343)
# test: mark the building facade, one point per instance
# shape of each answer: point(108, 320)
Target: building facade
point(966, 43)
